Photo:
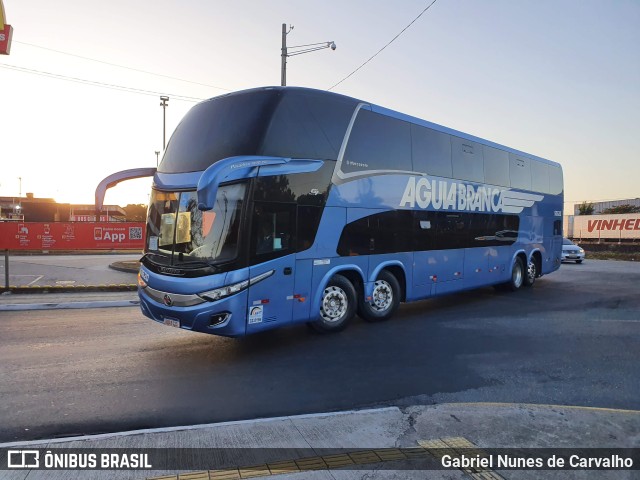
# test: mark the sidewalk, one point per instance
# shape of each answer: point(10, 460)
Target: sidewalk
point(398, 443)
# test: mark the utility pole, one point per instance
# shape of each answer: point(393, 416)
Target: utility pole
point(297, 50)
point(164, 103)
point(283, 62)
point(157, 158)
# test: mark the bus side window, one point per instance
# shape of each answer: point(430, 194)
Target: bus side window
point(557, 228)
point(431, 151)
point(273, 230)
point(308, 222)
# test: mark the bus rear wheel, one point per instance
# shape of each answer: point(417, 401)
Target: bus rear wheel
point(337, 305)
point(530, 275)
point(517, 276)
point(384, 300)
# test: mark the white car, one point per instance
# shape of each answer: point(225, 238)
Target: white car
point(571, 251)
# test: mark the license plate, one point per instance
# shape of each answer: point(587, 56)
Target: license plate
point(171, 322)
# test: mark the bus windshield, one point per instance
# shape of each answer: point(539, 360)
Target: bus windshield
point(179, 233)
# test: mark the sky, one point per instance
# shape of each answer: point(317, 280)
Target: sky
point(555, 78)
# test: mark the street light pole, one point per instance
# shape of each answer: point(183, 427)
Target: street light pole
point(20, 195)
point(157, 158)
point(312, 47)
point(164, 103)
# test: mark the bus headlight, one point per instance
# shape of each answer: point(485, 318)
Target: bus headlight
point(219, 293)
point(228, 290)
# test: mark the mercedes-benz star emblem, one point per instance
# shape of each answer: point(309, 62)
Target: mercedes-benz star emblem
point(167, 300)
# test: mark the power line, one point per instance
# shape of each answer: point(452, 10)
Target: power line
point(389, 43)
point(122, 66)
point(100, 84)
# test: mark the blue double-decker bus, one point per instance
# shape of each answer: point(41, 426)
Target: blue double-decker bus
point(280, 205)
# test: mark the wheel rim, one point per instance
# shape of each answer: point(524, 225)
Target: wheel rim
point(517, 275)
point(531, 272)
point(382, 296)
point(334, 304)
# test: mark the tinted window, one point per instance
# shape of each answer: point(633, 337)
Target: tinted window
point(304, 188)
point(406, 230)
point(308, 221)
point(308, 125)
point(557, 227)
point(492, 230)
point(378, 142)
point(452, 230)
point(293, 123)
point(219, 128)
point(431, 151)
point(467, 160)
point(539, 176)
point(555, 180)
point(386, 232)
point(496, 166)
point(520, 172)
point(424, 230)
point(273, 227)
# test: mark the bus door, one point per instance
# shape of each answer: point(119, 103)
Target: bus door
point(272, 247)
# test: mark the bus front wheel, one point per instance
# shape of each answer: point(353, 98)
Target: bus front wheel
point(384, 300)
point(337, 306)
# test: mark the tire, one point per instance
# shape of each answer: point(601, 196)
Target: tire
point(578, 261)
point(386, 299)
point(337, 306)
point(517, 276)
point(530, 274)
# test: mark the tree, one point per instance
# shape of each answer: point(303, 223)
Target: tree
point(586, 208)
point(135, 212)
point(626, 208)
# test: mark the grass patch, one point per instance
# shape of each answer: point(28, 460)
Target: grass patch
point(625, 256)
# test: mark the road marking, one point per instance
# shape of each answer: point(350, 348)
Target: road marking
point(36, 280)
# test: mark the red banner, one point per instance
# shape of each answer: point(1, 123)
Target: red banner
point(5, 39)
point(71, 236)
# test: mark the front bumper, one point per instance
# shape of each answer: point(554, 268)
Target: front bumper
point(190, 312)
point(572, 256)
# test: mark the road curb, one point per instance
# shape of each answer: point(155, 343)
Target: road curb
point(18, 307)
point(22, 289)
point(126, 266)
point(102, 436)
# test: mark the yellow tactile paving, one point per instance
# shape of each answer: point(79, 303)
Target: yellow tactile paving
point(194, 476)
point(435, 448)
point(338, 461)
point(229, 474)
point(311, 463)
point(283, 467)
point(254, 471)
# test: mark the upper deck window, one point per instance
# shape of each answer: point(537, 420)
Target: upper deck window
point(378, 142)
point(275, 122)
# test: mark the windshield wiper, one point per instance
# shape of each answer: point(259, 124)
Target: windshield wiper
point(194, 263)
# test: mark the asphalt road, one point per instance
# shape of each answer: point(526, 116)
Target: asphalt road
point(66, 270)
point(572, 339)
